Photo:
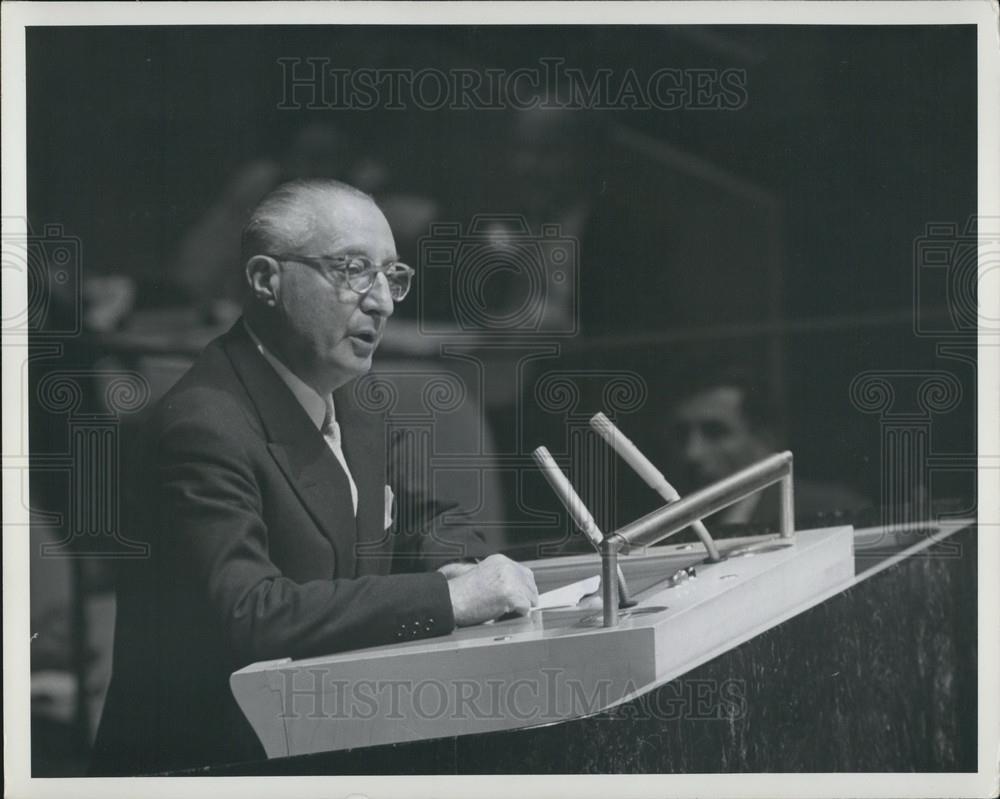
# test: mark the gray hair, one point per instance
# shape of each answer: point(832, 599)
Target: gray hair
point(288, 214)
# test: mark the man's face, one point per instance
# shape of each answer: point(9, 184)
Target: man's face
point(713, 437)
point(333, 331)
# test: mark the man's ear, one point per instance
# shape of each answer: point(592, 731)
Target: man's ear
point(264, 279)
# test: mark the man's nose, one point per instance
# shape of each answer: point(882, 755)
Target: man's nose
point(694, 446)
point(378, 299)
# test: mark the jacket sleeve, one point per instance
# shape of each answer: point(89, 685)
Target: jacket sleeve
point(212, 527)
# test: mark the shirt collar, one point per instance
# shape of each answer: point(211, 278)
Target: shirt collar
point(312, 403)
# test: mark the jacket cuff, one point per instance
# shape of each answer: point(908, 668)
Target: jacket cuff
point(429, 611)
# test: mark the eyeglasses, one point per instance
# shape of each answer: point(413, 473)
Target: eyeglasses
point(357, 272)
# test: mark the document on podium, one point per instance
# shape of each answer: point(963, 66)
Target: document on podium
point(569, 595)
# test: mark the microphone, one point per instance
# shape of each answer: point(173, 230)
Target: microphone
point(568, 496)
point(652, 476)
point(582, 517)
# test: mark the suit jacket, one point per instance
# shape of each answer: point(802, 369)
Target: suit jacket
point(255, 554)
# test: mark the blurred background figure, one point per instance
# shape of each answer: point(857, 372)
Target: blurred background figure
point(721, 422)
point(554, 162)
point(206, 260)
point(71, 610)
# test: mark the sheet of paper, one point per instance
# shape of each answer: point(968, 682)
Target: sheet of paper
point(569, 595)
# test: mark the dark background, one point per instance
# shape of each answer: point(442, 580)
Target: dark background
point(865, 133)
point(860, 136)
point(780, 234)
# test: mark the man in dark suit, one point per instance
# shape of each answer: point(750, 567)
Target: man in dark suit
point(266, 499)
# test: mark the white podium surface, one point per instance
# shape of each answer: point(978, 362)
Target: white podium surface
point(550, 666)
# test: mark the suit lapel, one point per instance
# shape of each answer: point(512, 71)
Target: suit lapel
point(298, 448)
point(364, 441)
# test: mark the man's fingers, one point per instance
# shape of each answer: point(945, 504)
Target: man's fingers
point(456, 569)
point(496, 586)
point(522, 603)
point(527, 594)
point(529, 584)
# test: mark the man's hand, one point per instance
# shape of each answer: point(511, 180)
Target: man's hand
point(490, 589)
point(457, 568)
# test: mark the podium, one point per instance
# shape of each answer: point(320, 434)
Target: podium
point(881, 676)
point(503, 685)
point(550, 666)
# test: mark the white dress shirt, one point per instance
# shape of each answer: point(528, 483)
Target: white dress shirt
point(321, 411)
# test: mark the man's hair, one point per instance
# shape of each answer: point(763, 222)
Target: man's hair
point(288, 213)
point(760, 408)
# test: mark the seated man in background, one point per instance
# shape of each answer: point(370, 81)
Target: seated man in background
point(720, 424)
point(266, 497)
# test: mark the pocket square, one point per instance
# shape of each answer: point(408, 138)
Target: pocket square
point(389, 498)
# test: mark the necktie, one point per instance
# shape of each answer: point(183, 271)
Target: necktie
point(331, 433)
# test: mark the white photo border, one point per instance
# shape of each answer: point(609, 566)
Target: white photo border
point(16, 17)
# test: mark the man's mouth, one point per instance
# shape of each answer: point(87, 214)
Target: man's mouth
point(366, 336)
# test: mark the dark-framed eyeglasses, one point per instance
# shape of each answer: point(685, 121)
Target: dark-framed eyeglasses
point(358, 272)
